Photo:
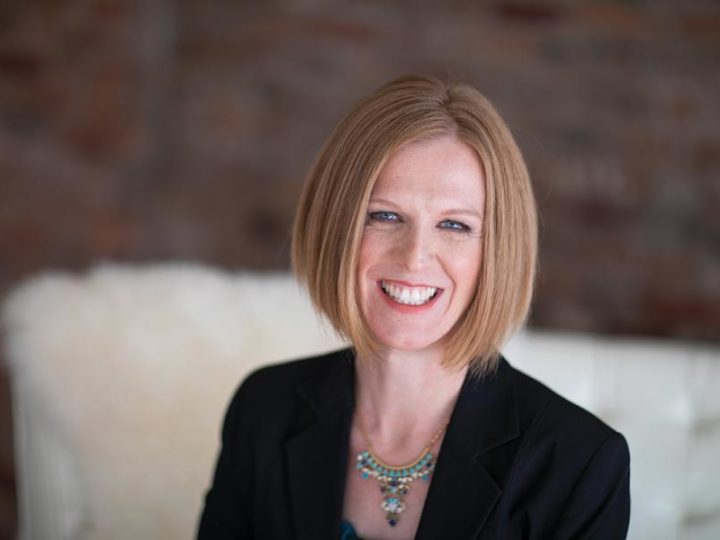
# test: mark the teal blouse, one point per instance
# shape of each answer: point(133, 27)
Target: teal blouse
point(347, 531)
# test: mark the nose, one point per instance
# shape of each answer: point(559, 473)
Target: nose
point(416, 249)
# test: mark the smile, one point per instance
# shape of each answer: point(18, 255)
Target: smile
point(412, 296)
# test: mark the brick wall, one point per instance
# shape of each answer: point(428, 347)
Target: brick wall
point(141, 131)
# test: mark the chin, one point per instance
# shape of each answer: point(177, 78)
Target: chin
point(407, 343)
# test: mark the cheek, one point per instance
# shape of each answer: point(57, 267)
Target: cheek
point(367, 259)
point(466, 268)
point(371, 252)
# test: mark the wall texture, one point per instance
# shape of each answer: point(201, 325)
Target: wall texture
point(177, 129)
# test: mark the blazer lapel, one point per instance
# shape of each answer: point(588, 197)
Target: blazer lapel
point(316, 455)
point(462, 492)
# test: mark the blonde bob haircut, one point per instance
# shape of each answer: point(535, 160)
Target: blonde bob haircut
point(332, 213)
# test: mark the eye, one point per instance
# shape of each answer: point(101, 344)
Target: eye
point(453, 225)
point(383, 216)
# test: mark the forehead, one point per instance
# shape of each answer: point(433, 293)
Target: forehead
point(442, 167)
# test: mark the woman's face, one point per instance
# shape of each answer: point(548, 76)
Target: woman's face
point(420, 251)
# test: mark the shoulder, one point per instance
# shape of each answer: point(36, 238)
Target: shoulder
point(545, 416)
point(569, 468)
point(271, 392)
point(277, 378)
point(560, 435)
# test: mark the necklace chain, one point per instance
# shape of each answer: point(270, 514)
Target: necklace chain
point(395, 480)
point(430, 444)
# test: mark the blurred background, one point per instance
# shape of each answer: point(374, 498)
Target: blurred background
point(144, 131)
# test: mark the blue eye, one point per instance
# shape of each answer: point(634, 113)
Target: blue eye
point(454, 225)
point(383, 215)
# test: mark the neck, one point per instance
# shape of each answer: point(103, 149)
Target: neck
point(405, 395)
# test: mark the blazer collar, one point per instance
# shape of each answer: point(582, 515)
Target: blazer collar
point(462, 492)
point(316, 455)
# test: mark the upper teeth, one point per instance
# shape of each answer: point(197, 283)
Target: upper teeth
point(409, 295)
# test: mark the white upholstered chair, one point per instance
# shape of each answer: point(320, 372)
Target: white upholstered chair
point(120, 378)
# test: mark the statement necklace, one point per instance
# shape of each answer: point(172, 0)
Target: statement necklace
point(395, 481)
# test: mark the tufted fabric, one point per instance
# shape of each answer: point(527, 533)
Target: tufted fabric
point(121, 376)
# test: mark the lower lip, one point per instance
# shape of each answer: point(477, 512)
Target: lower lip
point(409, 308)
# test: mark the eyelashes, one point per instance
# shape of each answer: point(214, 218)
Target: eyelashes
point(383, 216)
point(453, 225)
point(389, 217)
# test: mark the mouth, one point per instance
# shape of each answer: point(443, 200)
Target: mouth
point(407, 295)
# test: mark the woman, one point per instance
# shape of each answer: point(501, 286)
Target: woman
point(416, 236)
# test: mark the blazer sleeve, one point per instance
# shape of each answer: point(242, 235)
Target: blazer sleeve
point(599, 505)
point(227, 513)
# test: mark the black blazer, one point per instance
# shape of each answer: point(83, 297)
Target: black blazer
point(517, 461)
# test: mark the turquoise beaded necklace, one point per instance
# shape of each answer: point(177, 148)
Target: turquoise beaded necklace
point(395, 481)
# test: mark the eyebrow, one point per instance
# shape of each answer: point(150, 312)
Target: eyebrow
point(449, 211)
point(463, 212)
